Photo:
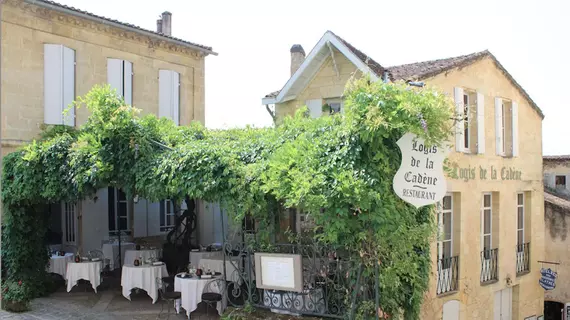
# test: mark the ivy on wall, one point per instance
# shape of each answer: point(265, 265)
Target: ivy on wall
point(338, 169)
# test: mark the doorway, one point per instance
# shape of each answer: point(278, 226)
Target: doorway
point(504, 304)
point(553, 310)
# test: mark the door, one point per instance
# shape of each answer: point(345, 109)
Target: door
point(504, 304)
point(451, 310)
point(69, 223)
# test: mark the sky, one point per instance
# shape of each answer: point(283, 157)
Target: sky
point(253, 38)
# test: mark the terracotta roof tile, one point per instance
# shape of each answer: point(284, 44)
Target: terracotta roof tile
point(371, 63)
point(62, 6)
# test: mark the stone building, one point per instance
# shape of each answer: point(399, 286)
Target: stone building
point(492, 220)
point(52, 53)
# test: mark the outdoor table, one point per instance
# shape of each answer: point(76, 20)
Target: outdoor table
point(111, 252)
point(87, 270)
point(142, 277)
point(131, 255)
point(197, 256)
point(191, 294)
point(58, 264)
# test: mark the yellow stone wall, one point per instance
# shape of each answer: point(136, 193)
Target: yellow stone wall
point(325, 84)
point(25, 29)
point(557, 167)
point(557, 221)
point(477, 300)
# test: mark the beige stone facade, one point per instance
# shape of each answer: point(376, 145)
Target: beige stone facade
point(27, 27)
point(513, 181)
point(557, 243)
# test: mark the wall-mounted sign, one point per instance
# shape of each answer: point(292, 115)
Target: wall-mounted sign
point(420, 180)
point(278, 271)
point(548, 279)
point(454, 171)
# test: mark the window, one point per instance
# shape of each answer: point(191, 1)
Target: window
point(167, 215)
point(506, 127)
point(486, 224)
point(120, 78)
point(560, 182)
point(466, 117)
point(59, 85)
point(169, 95)
point(470, 128)
point(520, 221)
point(335, 105)
point(118, 214)
point(445, 227)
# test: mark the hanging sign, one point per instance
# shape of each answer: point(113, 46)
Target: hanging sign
point(420, 180)
point(548, 279)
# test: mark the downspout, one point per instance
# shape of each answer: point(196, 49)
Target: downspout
point(385, 78)
point(271, 113)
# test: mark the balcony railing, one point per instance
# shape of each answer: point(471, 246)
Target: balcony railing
point(523, 258)
point(489, 265)
point(447, 275)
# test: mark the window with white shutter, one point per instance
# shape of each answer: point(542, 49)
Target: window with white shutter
point(120, 78)
point(506, 127)
point(470, 126)
point(59, 84)
point(315, 107)
point(169, 95)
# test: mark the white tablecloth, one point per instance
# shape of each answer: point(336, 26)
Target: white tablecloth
point(191, 294)
point(142, 277)
point(196, 257)
point(217, 265)
point(111, 252)
point(131, 255)
point(90, 271)
point(58, 264)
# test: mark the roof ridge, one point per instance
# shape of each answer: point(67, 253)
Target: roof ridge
point(50, 4)
point(474, 54)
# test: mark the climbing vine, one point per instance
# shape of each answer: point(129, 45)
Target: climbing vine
point(338, 168)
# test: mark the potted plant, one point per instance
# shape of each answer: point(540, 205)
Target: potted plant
point(16, 296)
point(326, 109)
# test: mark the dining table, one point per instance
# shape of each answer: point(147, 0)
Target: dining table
point(58, 264)
point(191, 290)
point(111, 252)
point(86, 270)
point(145, 254)
point(142, 277)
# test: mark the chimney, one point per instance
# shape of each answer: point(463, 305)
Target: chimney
point(167, 23)
point(159, 25)
point(297, 57)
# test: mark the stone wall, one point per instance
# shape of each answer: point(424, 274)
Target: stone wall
point(557, 246)
point(26, 28)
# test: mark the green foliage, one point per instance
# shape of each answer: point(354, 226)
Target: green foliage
point(338, 169)
point(18, 291)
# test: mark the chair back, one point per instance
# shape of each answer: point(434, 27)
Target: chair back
point(217, 285)
point(162, 285)
point(96, 254)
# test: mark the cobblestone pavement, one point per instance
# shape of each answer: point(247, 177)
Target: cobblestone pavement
point(107, 305)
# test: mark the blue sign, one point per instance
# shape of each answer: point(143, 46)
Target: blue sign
point(548, 279)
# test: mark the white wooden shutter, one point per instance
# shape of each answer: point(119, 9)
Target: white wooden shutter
point(515, 127)
point(115, 75)
point(568, 186)
point(459, 110)
point(315, 107)
point(53, 83)
point(68, 90)
point(128, 82)
point(166, 88)
point(480, 123)
point(175, 100)
point(499, 126)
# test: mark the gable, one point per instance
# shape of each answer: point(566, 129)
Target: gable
point(313, 63)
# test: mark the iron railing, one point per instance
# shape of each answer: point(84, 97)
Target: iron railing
point(523, 258)
point(489, 265)
point(447, 275)
point(333, 286)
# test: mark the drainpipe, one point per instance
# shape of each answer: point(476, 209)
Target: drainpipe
point(385, 77)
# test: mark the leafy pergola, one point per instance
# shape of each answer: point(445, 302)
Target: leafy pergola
point(338, 168)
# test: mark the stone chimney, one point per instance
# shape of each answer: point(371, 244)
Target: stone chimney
point(159, 25)
point(297, 57)
point(167, 23)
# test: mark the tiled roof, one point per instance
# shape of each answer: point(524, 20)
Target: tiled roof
point(427, 69)
point(557, 201)
point(556, 158)
point(62, 7)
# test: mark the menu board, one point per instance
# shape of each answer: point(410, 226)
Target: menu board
point(279, 271)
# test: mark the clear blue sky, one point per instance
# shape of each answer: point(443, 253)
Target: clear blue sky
point(530, 38)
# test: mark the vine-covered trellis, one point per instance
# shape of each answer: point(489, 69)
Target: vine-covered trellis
point(337, 168)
